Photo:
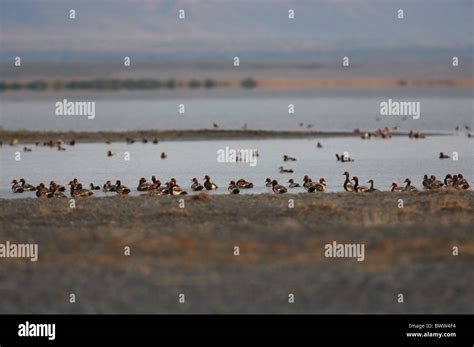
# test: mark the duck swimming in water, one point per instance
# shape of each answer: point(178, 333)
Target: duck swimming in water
point(108, 187)
point(243, 184)
point(348, 187)
point(268, 183)
point(283, 170)
point(94, 187)
point(163, 155)
point(288, 158)
point(196, 186)
point(293, 184)
point(357, 187)
point(26, 186)
point(43, 192)
point(16, 187)
point(208, 184)
point(371, 188)
point(233, 188)
point(443, 156)
point(121, 189)
point(278, 189)
point(408, 187)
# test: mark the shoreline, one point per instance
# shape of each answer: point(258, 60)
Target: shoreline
point(28, 136)
point(282, 250)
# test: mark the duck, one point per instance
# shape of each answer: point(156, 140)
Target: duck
point(155, 141)
point(288, 158)
point(443, 156)
point(293, 184)
point(108, 187)
point(174, 189)
point(121, 189)
point(54, 187)
point(319, 145)
point(233, 188)
point(78, 191)
point(321, 186)
point(26, 186)
point(283, 170)
point(278, 189)
point(94, 187)
point(461, 182)
point(435, 184)
point(26, 149)
point(156, 184)
point(208, 184)
point(163, 155)
point(371, 188)
point(196, 186)
point(396, 188)
point(43, 192)
point(307, 182)
point(143, 185)
point(16, 187)
point(409, 187)
point(243, 184)
point(348, 187)
point(426, 182)
point(357, 188)
point(268, 182)
point(111, 153)
point(449, 181)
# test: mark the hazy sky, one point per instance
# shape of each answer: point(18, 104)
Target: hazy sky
point(254, 29)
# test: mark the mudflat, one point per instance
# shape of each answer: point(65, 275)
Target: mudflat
point(191, 251)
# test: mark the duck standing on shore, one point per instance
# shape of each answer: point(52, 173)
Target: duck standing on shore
point(143, 185)
point(196, 186)
point(408, 186)
point(434, 183)
point(321, 186)
point(108, 187)
point(396, 188)
point(78, 191)
point(371, 188)
point(208, 184)
point(278, 189)
point(348, 187)
point(357, 187)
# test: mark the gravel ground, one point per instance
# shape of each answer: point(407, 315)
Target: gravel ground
point(191, 251)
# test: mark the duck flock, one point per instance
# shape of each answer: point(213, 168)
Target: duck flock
point(171, 187)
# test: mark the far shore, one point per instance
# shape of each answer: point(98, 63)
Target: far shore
point(28, 136)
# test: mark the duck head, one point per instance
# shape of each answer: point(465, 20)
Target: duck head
point(346, 174)
point(274, 183)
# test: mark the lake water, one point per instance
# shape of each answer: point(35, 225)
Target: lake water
point(381, 160)
point(441, 110)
